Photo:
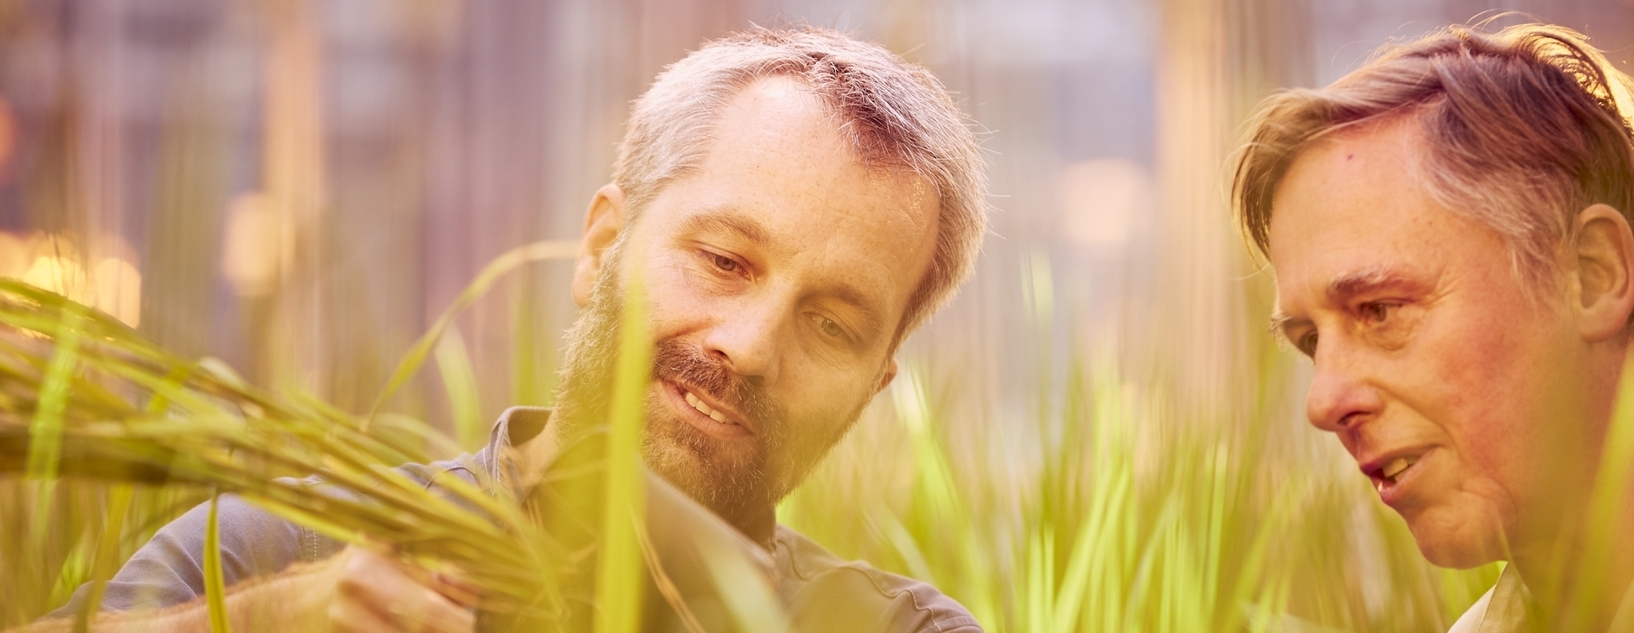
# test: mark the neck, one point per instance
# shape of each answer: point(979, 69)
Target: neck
point(759, 524)
point(1576, 566)
point(1581, 575)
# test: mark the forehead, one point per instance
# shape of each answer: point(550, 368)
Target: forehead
point(778, 160)
point(1352, 205)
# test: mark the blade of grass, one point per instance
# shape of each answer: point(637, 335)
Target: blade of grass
point(215, 588)
point(46, 428)
point(1607, 502)
point(619, 571)
point(752, 603)
point(107, 562)
point(460, 382)
point(493, 272)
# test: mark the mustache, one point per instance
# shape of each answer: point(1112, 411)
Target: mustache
point(684, 364)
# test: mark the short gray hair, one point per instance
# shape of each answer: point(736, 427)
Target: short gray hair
point(1524, 128)
point(895, 114)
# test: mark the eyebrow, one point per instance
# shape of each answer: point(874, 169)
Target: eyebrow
point(731, 222)
point(1346, 285)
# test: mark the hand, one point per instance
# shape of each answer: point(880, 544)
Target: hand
point(376, 593)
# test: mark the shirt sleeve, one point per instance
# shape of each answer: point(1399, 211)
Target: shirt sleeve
point(169, 569)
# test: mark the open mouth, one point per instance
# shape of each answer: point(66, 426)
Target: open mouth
point(698, 412)
point(704, 408)
point(1391, 474)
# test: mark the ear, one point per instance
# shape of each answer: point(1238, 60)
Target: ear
point(1604, 275)
point(602, 224)
point(886, 376)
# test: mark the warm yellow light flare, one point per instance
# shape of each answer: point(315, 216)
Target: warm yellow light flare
point(113, 284)
point(253, 248)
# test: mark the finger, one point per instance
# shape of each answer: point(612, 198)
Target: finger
point(425, 611)
point(351, 616)
point(386, 588)
point(448, 583)
point(457, 589)
point(433, 613)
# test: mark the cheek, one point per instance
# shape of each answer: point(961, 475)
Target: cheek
point(826, 403)
point(1503, 386)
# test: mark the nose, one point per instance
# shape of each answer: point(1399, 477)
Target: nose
point(1341, 394)
point(747, 339)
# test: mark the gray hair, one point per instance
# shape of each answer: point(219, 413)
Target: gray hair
point(895, 114)
point(1524, 128)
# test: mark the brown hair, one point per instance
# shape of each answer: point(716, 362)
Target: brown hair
point(895, 114)
point(1523, 128)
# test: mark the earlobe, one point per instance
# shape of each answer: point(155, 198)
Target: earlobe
point(602, 224)
point(1604, 273)
point(886, 376)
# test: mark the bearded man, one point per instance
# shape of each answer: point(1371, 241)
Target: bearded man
point(1449, 230)
point(795, 203)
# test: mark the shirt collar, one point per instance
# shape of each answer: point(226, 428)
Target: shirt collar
point(1510, 609)
point(514, 427)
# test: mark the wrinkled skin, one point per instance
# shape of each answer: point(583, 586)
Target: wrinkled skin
point(1430, 348)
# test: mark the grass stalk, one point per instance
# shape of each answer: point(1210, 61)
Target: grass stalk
point(215, 586)
point(620, 569)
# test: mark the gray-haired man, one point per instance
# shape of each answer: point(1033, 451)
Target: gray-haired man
point(1449, 228)
point(795, 202)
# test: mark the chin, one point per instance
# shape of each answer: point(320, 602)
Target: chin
point(1458, 544)
point(1453, 557)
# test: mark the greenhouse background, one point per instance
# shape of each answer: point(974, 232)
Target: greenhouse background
point(297, 189)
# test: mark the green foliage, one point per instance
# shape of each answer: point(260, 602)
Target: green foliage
point(203, 428)
point(1127, 515)
point(620, 571)
point(215, 588)
point(1133, 518)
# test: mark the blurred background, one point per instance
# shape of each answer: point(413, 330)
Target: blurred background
point(300, 187)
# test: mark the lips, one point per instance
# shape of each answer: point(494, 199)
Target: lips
point(1390, 472)
point(705, 413)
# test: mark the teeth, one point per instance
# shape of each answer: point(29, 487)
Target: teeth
point(699, 405)
point(704, 409)
point(1395, 467)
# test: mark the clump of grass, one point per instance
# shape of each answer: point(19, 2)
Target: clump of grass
point(1129, 516)
point(1126, 515)
point(84, 398)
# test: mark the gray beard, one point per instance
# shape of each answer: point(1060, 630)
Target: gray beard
point(732, 484)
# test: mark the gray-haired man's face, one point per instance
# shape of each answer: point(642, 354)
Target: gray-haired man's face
point(1460, 395)
point(776, 274)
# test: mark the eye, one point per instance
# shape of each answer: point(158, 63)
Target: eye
point(1307, 343)
point(724, 263)
point(1376, 311)
point(829, 327)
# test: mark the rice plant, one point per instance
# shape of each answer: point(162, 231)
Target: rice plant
point(90, 412)
point(1132, 516)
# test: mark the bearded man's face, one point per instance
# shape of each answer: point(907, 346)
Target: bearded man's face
point(777, 273)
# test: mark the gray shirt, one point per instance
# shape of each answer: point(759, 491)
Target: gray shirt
point(821, 591)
